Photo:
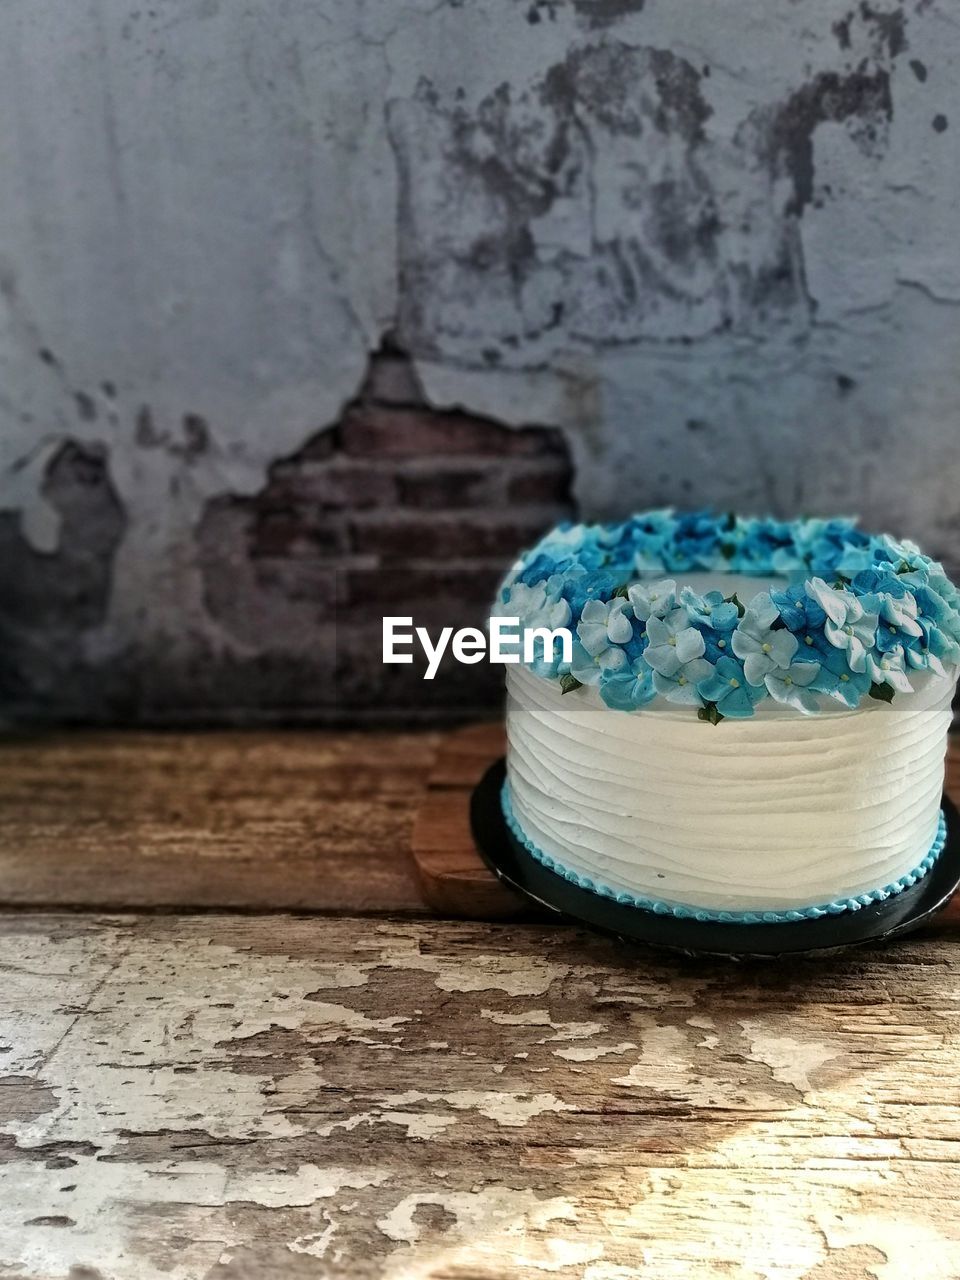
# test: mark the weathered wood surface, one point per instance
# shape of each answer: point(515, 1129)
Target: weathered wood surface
point(454, 879)
point(292, 820)
point(251, 821)
point(231, 1098)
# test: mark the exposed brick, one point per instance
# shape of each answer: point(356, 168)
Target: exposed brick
point(547, 481)
point(459, 593)
point(316, 582)
point(291, 532)
point(337, 484)
point(425, 483)
point(400, 536)
point(402, 433)
point(322, 445)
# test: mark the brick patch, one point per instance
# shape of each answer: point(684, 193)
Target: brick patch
point(399, 508)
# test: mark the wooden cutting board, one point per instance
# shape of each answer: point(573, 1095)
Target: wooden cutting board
point(454, 879)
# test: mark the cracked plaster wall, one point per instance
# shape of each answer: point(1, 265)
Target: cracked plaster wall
point(715, 246)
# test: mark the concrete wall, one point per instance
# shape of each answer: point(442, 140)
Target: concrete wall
point(709, 249)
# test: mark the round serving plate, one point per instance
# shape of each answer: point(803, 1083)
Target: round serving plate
point(879, 922)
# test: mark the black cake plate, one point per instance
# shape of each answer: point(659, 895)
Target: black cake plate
point(879, 922)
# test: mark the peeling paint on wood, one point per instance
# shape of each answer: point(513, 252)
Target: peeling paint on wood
point(224, 1098)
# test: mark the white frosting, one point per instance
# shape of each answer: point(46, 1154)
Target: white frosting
point(776, 812)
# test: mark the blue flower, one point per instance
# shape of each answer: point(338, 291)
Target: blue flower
point(539, 606)
point(762, 649)
point(729, 688)
point(681, 685)
point(760, 542)
point(539, 569)
point(931, 650)
point(589, 668)
point(629, 687)
point(672, 643)
point(695, 542)
point(800, 614)
point(849, 625)
point(710, 610)
point(897, 625)
point(603, 624)
point(648, 535)
point(888, 668)
point(932, 607)
point(653, 599)
point(581, 585)
point(836, 679)
point(790, 686)
point(878, 581)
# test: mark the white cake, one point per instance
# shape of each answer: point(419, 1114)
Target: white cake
point(782, 763)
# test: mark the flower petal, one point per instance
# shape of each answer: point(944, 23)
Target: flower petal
point(755, 667)
point(689, 644)
point(783, 645)
point(619, 627)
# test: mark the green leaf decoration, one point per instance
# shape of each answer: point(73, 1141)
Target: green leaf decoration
point(882, 692)
point(735, 599)
point(620, 591)
point(710, 713)
point(568, 683)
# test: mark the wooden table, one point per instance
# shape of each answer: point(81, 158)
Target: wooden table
point(200, 1080)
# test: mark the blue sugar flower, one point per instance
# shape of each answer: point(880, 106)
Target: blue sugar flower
point(590, 668)
point(800, 614)
point(729, 688)
point(653, 599)
point(932, 608)
point(695, 542)
point(931, 650)
point(791, 686)
point(710, 610)
point(681, 685)
point(604, 623)
point(849, 625)
point(836, 679)
point(574, 542)
point(540, 568)
point(762, 649)
point(898, 623)
point(888, 668)
point(878, 581)
point(672, 643)
point(646, 538)
point(581, 585)
point(759, 542)
point(539, 606)
point(628, 687)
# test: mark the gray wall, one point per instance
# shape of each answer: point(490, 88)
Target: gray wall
point(714, 244)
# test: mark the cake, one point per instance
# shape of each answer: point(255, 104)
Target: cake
point(751, 723)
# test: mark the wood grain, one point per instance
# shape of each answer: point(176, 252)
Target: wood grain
point(454, 879)
point(255, 821)
point(245, 1097)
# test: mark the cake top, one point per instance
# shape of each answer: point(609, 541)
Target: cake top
point(845, 615)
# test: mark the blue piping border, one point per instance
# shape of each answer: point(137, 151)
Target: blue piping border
point(704, 914)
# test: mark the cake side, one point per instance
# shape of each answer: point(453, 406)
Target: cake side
point(775, 813)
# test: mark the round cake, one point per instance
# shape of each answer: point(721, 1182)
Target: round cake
point(750, 724)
